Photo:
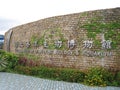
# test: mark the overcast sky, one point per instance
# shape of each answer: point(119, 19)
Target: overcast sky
point(17, 12)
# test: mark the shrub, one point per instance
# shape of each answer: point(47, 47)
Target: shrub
point(12, 60)
point(47, 72)
point(118, 76)
point(52, 73)
point(8, 60)
point(94, 76)
point(3, 63)
point(98, 77)
point(71, 75)
point(117, 79)
point(23, 70)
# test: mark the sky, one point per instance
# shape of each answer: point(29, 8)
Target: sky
point(17, 12)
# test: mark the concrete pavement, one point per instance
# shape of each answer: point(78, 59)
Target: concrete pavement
point(10, 81)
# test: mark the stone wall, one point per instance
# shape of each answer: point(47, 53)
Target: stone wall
point(65, 41)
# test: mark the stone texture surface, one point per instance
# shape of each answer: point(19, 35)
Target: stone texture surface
point(10, 81)
point(70, 28)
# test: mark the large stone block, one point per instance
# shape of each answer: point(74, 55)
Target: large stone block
point(80, 40)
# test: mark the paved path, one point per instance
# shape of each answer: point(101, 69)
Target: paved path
point(10, 81)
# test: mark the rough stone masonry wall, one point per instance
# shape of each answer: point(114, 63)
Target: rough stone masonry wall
point(65, 28)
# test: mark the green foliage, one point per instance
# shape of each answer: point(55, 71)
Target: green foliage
point(12, 60)
point(91, 35)
point(97, 43)
point(55, 34)
point(110, 30)
point(118, 76)
point(8, 60)
point(49, 36)
point(47, 72)
point(70, 75)
point(33, 39)
point(117, 79)
point(51, 46)
point(113, 25)
point(52, 73)
point(23, 69)
point(98, 77)
point(3, 63)
point(41, 41)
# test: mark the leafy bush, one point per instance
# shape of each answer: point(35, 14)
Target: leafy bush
point(71, 75)
point(12, 60)
point(117, 79)
point(3, 63)
point(23, 70)
point(98, 77)
point(52, 73)
point(8, 58)
point(94, 76)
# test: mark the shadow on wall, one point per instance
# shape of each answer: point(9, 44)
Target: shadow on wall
point(1, 41)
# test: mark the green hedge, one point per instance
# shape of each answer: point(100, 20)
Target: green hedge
point(94, 76)
point(68, 75)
